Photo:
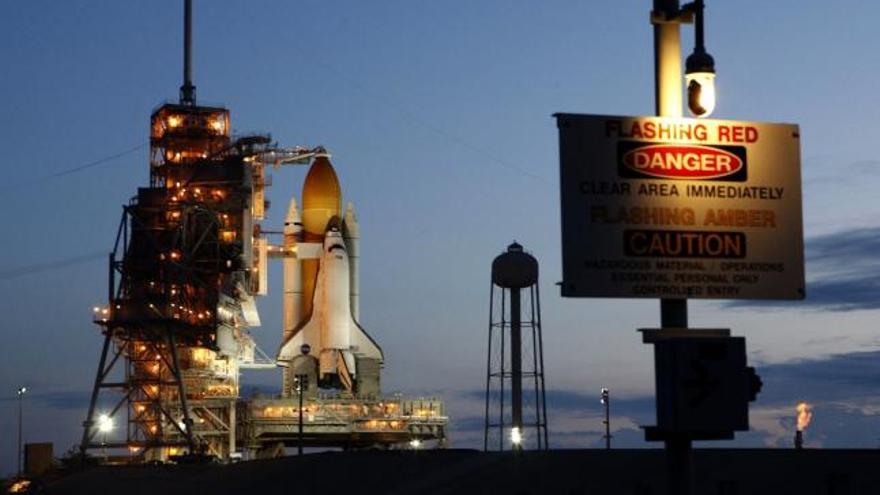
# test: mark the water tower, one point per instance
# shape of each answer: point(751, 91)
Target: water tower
point(515, 355)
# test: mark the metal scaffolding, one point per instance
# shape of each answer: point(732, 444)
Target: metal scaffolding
point(182, 279)
point(515, 355)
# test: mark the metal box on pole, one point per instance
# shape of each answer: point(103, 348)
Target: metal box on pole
point(703, 383)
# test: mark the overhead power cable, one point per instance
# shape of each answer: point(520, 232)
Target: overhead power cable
point(386, 102)
point(22, 271)
point(73, 170)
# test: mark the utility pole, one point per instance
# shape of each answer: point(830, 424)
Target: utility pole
point(606, 401)
point(667, 90)
point(20, 452)
point(673, 312)
point(301, 386)
point(300, 383)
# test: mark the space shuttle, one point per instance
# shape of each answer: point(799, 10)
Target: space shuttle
point(321, 300)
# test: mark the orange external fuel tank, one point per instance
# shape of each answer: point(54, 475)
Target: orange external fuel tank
point(321, 204)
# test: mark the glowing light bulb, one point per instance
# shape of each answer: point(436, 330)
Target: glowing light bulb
point(105, 423)
point(516, 437)
point(701, 93)
point(699, 77)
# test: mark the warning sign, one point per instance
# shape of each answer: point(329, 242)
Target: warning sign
point(674, 208)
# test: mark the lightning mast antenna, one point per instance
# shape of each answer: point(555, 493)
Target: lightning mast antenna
point(187, 91)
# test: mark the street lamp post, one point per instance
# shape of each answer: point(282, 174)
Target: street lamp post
point(21, 391)
point(667, 17)
point(105, 426)
point(301, 385)
point(606, 401)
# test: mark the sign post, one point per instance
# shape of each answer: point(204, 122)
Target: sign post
point(673, 208)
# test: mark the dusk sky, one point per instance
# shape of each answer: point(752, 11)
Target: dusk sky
point(438, 117)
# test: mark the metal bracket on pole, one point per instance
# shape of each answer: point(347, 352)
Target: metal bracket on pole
point(651, 335)
point(684, 16)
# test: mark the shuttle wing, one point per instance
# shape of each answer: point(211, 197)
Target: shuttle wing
point(363, 345)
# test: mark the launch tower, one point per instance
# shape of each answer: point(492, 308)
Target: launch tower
point(189, 259)
point(182, 279)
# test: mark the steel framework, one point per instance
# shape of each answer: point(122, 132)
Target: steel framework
point(183, 274)
point(511, 358)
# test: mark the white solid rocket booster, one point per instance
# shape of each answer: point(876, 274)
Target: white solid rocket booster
point(351, 234)
point(292, 302)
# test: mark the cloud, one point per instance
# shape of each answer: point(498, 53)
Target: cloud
point(570, 401)
point(844, 273)
point(848, 378)
point(861, 243)
point(842, 388)
point(574, 419)
point(821, 171)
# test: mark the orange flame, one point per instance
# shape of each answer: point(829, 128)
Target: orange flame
point(804, 415)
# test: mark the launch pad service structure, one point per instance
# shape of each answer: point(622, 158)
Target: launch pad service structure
point(189, 260)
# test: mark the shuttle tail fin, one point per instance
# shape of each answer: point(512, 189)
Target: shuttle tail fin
point(343, 371)
point(365, 345)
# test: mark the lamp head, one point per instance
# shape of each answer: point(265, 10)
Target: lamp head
point(700, 79)
point(105, 423)
point(516, 436)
